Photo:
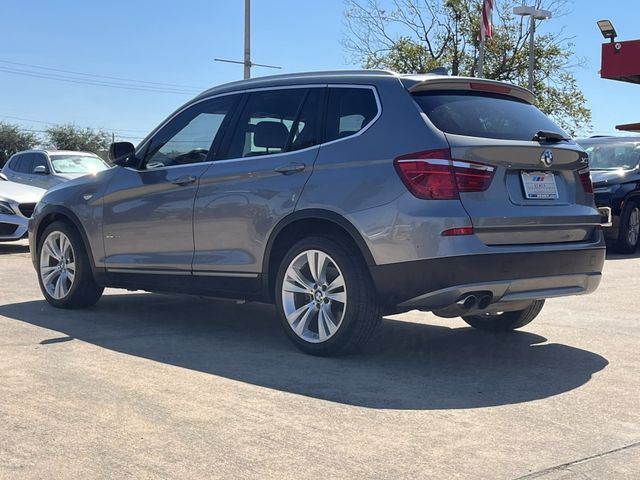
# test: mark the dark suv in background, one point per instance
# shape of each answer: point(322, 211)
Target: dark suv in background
point(339, 196)
point(615, 172)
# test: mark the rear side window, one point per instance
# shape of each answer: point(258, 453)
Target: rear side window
point(22, 163)
point(487, 115)
point(349, 111)
point(269, 123)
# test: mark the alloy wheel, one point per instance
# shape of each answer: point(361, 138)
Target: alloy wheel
point(314, 296)
point(57, 265)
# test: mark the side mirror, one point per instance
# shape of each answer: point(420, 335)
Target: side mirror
point(41, 170)
point(121, 152)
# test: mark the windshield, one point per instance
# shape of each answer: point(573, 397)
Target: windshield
point(613, 156)
point(77, 164)
point(487, 115)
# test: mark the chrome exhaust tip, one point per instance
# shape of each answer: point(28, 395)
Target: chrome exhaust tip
point(484, 301)
point(467, 302)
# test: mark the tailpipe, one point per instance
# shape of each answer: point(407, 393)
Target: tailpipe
point(460, 307)
point(484, 301)
point(467, 302)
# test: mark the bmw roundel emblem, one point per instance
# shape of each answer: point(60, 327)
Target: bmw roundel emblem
point(547, 158)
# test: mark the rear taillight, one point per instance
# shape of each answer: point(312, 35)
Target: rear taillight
point(585, 179)
point(433, 175)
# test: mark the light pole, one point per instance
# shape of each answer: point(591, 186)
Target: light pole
point(534, 14)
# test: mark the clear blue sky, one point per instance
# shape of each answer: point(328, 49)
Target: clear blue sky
point(175, 43)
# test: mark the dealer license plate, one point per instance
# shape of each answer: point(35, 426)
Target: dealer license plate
point(539, 185)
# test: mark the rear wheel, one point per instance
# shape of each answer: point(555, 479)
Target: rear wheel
point(506, 321)
point(64, 271)
point(325, 297)
point(629, 233)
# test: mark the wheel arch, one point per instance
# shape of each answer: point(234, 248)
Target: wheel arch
point(53, 213)
point(302, 223)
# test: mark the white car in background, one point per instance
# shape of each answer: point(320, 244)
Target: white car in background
point(46, 168)
point(17, 203)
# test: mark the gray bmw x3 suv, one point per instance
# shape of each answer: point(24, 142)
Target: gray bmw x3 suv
point(340, 197)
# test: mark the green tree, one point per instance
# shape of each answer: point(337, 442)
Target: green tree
point(72, 137)
point(13, 139)
point(415, 36)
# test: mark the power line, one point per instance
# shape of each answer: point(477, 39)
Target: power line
point(101, 76)
point(68, 79)
point(62, 123)
point(117, 134)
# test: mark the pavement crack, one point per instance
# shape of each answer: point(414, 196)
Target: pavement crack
point(565, 466)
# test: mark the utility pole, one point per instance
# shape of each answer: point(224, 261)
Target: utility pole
point(247, 63)
point(247, 39)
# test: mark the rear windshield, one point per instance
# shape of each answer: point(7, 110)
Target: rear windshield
point(77, 164)
point(488, 115)
point(613, 156)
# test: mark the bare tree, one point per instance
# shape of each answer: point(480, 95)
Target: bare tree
point(415, 36)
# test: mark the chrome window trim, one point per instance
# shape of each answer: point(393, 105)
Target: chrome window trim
point(373, 88)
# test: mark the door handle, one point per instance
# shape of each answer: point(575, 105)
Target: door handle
point(182, 181)
point(290, 168)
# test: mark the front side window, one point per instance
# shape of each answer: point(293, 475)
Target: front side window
point(268, 123)
point(39, 160)
point(189, 137)
point(349, 111)
point(81, 164)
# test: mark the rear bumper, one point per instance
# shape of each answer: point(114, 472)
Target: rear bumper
point(436, 283)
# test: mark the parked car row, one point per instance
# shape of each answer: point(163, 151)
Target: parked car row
point(28, 174)
point(615, 171)
point(46, 168)
point(17, 203)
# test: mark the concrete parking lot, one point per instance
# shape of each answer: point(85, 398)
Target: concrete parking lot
point(160, 386)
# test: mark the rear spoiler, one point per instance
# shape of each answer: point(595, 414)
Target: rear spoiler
point(465, 83)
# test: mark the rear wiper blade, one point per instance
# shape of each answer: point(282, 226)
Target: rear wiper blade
point(547, 136)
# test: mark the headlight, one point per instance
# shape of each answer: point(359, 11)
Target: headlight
point(6, 209)
point(609, 189)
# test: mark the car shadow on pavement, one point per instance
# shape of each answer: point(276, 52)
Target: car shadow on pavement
point(622, 256)
point(406, 366)
point(12, 248)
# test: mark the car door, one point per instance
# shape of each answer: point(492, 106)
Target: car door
point(256, 180)
point(148, 210)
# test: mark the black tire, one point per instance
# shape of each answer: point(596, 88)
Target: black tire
point(627, 241)
point(507, 321)
point(362, 313)
point(84, 291)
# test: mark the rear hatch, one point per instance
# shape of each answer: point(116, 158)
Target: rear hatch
point(540, 191)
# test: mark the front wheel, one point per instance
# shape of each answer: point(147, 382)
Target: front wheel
point(64, 270)
point(505, 321)
point(326, 299)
